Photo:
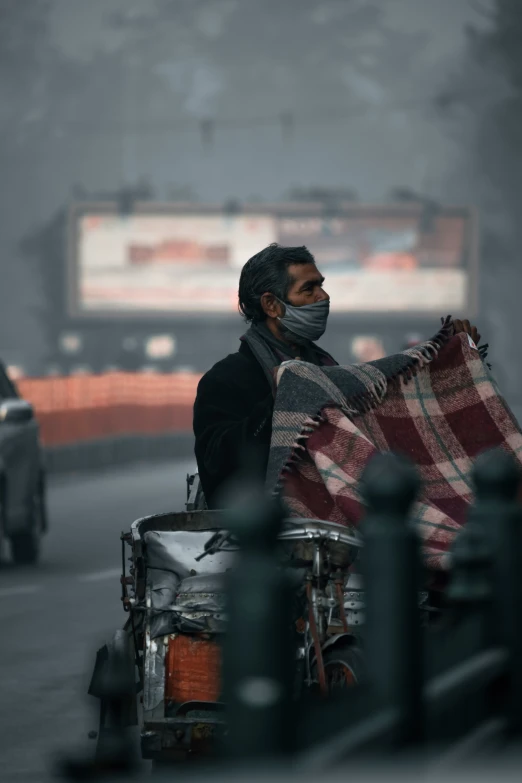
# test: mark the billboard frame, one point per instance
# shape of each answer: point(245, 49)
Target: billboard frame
point(342, 209)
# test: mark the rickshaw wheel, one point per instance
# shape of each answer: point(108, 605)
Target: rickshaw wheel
point(343, 666)
point(120, 661)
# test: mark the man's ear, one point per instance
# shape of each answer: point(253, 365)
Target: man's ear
point(271, 305)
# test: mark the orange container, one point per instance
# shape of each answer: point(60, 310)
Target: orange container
point(193, 669)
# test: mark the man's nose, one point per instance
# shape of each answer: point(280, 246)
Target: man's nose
point(321, 295)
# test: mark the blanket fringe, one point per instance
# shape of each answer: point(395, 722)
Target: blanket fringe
point(423, 354)
point(299, 447)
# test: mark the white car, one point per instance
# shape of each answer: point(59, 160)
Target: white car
point(23, 518)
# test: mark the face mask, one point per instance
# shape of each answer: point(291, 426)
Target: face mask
point(308, 321)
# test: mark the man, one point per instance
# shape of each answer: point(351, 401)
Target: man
point(281, 295)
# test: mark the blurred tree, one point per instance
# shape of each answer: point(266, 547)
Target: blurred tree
point(23, 54)
point(22, 36)
point(500, 47)
point(502, 40)
point(485, 116)
point(500, 164)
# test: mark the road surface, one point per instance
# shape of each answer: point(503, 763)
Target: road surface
point(53, 617)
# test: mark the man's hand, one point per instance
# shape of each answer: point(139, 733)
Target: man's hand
point(465, 326)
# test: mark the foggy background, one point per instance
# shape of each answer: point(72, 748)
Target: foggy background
point(220, 101)
point(225, 99)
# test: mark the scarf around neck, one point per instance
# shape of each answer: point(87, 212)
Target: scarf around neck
point(270, 352)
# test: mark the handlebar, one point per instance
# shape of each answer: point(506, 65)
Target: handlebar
point(298, 529)
point(304, 529)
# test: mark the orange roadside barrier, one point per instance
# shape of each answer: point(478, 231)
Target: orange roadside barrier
point(90, 407)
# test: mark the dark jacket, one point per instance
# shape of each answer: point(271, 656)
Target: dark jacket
point(232, 419)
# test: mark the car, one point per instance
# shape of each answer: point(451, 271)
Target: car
point(23, 514)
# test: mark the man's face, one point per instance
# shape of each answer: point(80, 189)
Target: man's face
point(306, 286)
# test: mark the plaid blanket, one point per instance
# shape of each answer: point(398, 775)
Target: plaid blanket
point(437, 403)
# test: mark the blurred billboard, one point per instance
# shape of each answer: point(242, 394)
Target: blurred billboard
point(168, 260)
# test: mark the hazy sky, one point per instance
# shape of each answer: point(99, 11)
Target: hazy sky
point(383, 143)
point(358, 78)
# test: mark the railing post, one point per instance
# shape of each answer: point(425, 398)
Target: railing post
point(259, 653)
point(391, 568)
point(497, 479)
point(470, 585)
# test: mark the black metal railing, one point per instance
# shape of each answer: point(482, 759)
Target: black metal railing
point(440, 685)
